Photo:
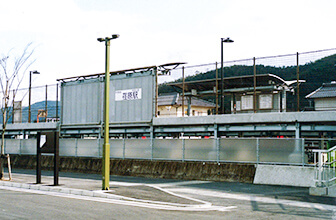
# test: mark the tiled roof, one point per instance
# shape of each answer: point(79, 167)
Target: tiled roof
point(327, 90)
point(176, 99)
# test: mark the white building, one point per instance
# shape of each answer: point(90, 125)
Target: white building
point(171, 105)
point(324, 97)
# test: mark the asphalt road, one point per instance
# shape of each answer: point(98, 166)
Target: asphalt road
point(200, 199)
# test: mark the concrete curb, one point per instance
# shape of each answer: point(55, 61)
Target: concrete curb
point(57, 189)
point(97, 194)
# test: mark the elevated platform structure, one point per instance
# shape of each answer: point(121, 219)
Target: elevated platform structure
point(31, 128)
point(289, 124)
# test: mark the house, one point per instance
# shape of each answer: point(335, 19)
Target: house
point(324, 97)
point(171, 105)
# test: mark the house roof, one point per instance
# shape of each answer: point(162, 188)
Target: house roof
point(327, 90)
point(174, 99)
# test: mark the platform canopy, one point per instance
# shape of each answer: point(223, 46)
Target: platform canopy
point(236, 84)
point(162, 70)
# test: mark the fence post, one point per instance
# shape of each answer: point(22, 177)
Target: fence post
point(76, 147)
point(46, 103)
point(303, 151)
point(56, 102)
point(216, 142)
point(183, 150)
point(257, 142)
point(183, 88)
point(152, 140)
point(320, 164)
point(98, 146)
point(124, 146)
point(21, 146)
point(254, 85)
point(298, 82)
point(217, 147)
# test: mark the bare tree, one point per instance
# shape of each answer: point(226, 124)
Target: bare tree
point(12, 71)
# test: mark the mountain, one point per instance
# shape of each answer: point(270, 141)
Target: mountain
point(51, 105)
point(315, 73)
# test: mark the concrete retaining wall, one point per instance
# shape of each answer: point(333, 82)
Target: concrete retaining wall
point(230, 172)
point(284, 175)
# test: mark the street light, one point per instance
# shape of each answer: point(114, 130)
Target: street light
point(29, 101)
point(106, 146)
point(223, 40)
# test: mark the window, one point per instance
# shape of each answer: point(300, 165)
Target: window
point(247, 102)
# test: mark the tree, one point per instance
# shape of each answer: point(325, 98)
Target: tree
point(12, 72)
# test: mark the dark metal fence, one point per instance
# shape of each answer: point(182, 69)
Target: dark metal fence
point(307, 70)
point(315, 67)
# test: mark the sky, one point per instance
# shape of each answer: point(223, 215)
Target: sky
point(152, 32)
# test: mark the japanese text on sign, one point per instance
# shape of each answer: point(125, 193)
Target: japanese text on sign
point(128, 94)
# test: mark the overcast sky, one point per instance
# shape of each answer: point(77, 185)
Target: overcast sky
point(154, 32)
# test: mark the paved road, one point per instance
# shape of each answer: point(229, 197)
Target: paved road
point(141, 198)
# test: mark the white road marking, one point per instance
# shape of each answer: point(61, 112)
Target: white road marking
point(254, 198)
point(170, 206)
point(180, 183)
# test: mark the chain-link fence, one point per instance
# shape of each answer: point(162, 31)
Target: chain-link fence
point(301, 74)
point(34, 104)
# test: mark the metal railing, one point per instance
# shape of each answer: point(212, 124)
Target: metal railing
point(325, 163)
point(240, 150)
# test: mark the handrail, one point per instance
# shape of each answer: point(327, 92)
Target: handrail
point(325, 151)
point(325, 173)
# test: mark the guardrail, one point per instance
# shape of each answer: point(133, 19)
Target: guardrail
point(325, 163)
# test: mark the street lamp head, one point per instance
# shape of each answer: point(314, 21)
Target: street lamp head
point(227, 40)
point(114, 36)
point(35, 72)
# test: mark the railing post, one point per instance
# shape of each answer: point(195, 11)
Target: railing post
point(257, 142)
point(183, 150)
point(98, 146)
point(76, 149)
point(320, 168)
point(303, 151)
point(217, 147)
point(21, 140)
point(152, 140)
point(124, 146)
point(216, 141)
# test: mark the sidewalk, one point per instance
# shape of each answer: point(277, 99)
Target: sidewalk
point(155, 191)
point(90, 185)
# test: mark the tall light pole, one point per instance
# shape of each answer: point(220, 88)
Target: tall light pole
point(29, 101)
point(106, 146)
point(223, 40)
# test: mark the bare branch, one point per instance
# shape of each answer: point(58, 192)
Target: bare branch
point(19, 63)
point(3, 63)
point(12, 78)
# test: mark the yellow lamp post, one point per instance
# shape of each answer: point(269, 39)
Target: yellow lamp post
point(106, 146)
